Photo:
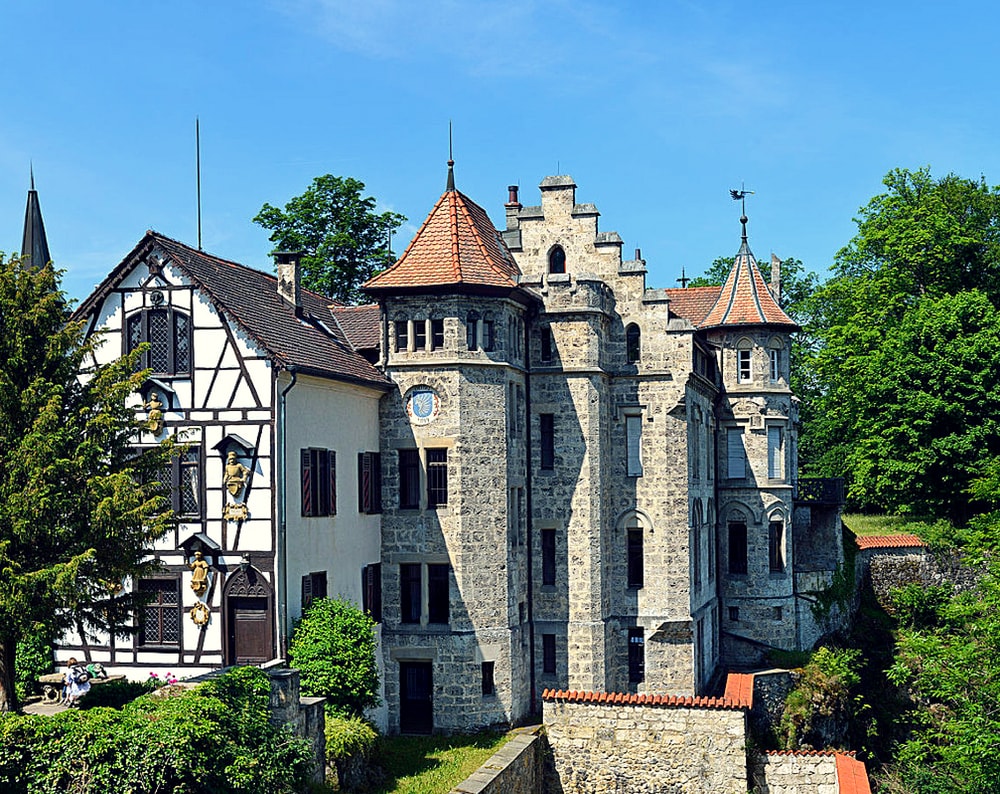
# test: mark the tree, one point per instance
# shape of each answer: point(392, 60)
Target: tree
point(345, 241)
point(333, 646)
point(78, 505)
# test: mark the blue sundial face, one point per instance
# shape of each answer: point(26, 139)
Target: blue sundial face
point(422, 405)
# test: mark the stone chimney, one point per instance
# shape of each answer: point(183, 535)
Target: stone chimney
point(776, 278)
point(513, 207)
point(289, 280)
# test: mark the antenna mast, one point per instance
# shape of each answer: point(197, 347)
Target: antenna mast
point(197, 148)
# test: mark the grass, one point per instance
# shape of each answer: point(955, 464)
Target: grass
point(432, 764)
point(877, 525)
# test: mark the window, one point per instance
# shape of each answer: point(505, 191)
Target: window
point(489, 332)
point(548, 557)
point(736, 456)
point(632, 343)
point(371, 590)
point(409, 479)
point(738, 547)
point(402, 336)
point(319, 482)
point(545, 344)
point(548, 446)
point(437, 333)
point(419, 334)
point(774, 357)
point(169, 335)
point(437, 593)
point(160, 619)
point(557, 260)
point(472, 331)
point(777, 613)
point(634, 574)
point(489, 686)
point(774, 453)
point(696, 551)
point(633, 445)
point(369, 482)
point(409, 592)
point(183, 476)
point(734, 614)
point(313, 587)
point(775, 547)
point(743, 365)
point(636, 655)
point(711, 548)
point(549, 653)
point(437, 478)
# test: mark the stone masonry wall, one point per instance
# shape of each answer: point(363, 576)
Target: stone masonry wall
point(645, 749)
point(516, 768)
point(795, 773)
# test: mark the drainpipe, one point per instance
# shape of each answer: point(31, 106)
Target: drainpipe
point(282, 482)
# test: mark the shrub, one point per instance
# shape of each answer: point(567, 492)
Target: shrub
point(33, 658)
point(214, 738)
point(333, 646)
point(349, 744)
point(817, 712)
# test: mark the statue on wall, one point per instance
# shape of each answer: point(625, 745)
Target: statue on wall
point(154, 419)
point(199, 579)
point(236, 475)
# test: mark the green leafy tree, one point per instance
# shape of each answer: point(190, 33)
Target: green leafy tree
point(333, 646)
point(78, 507)
point(345, 240)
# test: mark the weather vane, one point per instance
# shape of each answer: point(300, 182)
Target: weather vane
point(741, 196)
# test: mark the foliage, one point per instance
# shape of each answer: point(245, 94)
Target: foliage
point(78, 507)
point(214, 738)
point(115, 694)
point(948, 655)
point(820, 707)
point(432, 764)
point(33, 659)
point(350, 742)
point(345, 241)
point(333, 646)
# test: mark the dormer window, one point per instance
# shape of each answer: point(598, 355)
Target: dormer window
point(557, 260)
point(168, 333)
point(632, 343)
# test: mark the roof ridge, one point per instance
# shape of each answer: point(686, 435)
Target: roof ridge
point(479, 240)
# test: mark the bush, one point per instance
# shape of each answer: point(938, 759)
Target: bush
point(34, 658)
point(817, 712)
point(349, 744)
point(214, 738)
point(333, 647)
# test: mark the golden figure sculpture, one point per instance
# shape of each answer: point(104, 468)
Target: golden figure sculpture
point(199, 579)
point(236, 475)
point(154, 419)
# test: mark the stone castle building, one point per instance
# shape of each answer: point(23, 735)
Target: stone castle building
point(564, 480)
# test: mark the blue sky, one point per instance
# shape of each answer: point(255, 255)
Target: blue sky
point(656, 110)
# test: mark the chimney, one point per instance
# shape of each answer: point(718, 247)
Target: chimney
point(513, 207)
point(289, 281)
point(776, 278)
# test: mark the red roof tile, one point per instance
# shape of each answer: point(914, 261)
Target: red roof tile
point(693, 303)
point(888, 542)
point(457, 244)
point(741, 697)
point(739, 688)
point(745, 299)
point(852, 777)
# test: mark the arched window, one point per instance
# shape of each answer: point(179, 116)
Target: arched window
point(632, 343)
point(744, 348)
point(774, 360)
point(169, 335)
point(557, 260)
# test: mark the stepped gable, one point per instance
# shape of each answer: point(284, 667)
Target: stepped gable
point(456, 246)
point(745, 298)
point(311, 341)
point(865, 542)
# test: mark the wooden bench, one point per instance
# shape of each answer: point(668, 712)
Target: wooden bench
point(51, 685)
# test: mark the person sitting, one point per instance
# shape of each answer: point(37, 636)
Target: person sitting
point(77, 682)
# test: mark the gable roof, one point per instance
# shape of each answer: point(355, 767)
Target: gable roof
point(692, 303)
point(745, 298)
point(456, 246)
point(310, 341)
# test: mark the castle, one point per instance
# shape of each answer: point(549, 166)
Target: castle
point(564, 479)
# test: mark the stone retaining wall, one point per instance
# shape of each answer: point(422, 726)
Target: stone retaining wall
point(795, 773)
point(516, 768)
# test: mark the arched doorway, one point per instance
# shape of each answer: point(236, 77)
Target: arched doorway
point(249, 617)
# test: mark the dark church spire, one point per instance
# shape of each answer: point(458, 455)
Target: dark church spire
point(34, 245)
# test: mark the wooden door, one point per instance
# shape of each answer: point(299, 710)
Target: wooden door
point(251, 638)
point(416, 697)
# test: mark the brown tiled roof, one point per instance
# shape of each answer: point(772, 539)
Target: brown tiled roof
point(852, 777)
point(692, 303)
point(311, 341)
point(456, 245)
point(745, 298)
point(360, 324)
point(740, 697)
point(888, 542)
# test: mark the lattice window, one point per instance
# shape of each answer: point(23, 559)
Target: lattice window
point(160, 619)
point(168, 333)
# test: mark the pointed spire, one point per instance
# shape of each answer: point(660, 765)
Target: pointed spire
point(34, 245)
point(451, 164)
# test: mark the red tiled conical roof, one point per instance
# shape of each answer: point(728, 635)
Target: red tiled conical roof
point(456, 245)
point(745, 298)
